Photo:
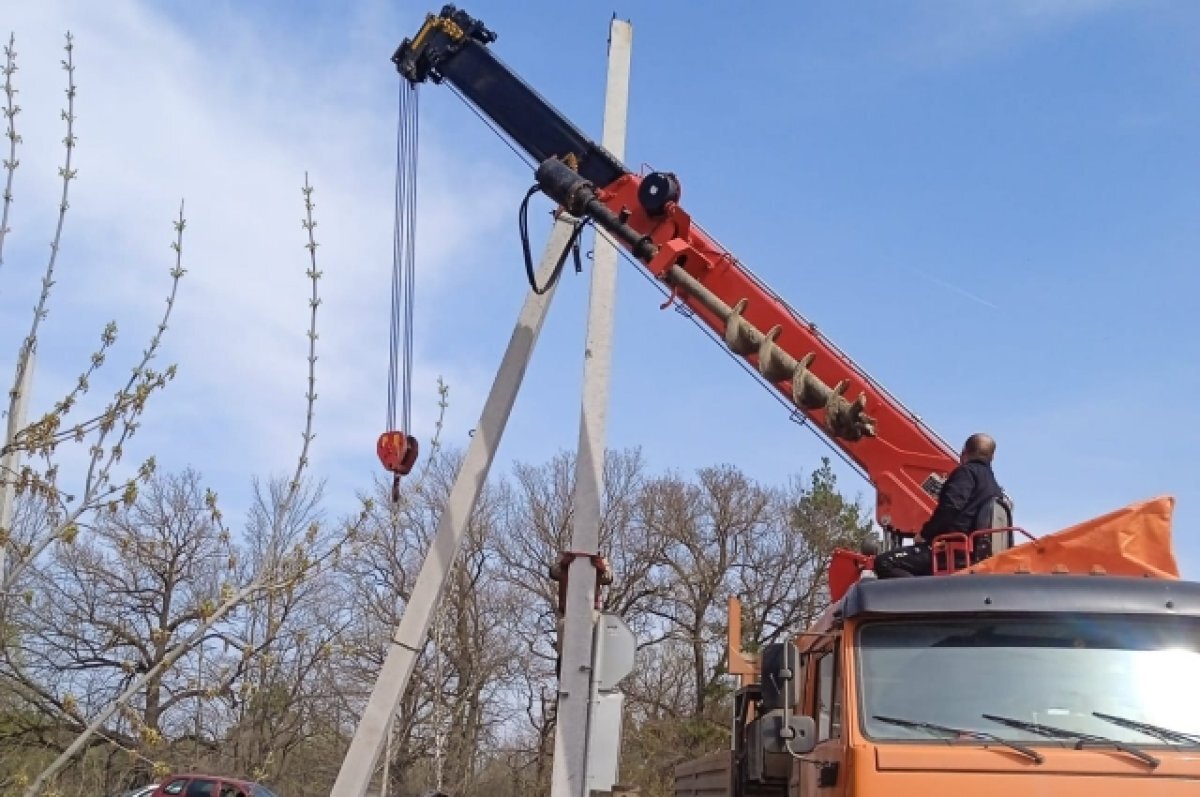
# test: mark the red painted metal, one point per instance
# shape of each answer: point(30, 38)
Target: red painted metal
point(397, 452)
point(902, 455)
point(955, 551)
point(845, 569)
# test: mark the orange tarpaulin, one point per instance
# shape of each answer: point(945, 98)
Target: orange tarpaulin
point(1133, 541)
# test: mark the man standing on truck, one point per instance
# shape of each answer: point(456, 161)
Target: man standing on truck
point(965, 504)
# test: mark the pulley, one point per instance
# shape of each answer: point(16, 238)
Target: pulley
point(397, 452)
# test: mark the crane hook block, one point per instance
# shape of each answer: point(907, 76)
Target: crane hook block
point(397, 451)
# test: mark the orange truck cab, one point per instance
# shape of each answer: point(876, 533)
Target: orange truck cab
point(981, 683)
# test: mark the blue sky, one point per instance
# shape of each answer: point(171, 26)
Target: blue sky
point(992, 207)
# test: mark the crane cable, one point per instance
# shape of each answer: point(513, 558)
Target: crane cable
point(397, 448)
point(403, 249)
point(572, 247)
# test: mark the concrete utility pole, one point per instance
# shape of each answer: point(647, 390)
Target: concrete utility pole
point(370, 736)
point(576, 671)
point(11, 463)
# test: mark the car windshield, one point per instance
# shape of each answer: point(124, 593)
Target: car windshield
point(1128, 679)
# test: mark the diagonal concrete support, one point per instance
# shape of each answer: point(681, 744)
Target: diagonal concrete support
point(370, 736)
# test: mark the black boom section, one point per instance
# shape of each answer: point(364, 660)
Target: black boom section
point(525, 116)
point(452, 47)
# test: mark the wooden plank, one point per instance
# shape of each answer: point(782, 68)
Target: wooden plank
point(707, 776)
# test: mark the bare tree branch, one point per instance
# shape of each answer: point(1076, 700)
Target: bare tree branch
point(11, 109)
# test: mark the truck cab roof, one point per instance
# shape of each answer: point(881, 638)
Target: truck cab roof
point(1025, 594)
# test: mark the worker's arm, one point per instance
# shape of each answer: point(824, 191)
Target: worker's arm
point(954, 496)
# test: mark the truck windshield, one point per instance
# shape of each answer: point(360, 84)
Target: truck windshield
point(1130, 679)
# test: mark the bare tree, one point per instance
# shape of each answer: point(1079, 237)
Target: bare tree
point(284, 637)
point(708, 527)
point(455, 699)
point(65, 514)
point(103, 431)
point(277, 573)
point(110, 606)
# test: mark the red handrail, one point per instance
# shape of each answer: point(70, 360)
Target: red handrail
point(947, 547)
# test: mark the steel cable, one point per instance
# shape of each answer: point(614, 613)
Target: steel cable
point(400, 348)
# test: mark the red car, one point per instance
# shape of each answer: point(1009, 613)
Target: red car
point(188, 785)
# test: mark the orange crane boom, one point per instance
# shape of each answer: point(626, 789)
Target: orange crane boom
point(904, 460)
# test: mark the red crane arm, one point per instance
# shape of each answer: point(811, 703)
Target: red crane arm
point(904, 460)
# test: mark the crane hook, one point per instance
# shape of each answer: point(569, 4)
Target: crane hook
point(398, 453)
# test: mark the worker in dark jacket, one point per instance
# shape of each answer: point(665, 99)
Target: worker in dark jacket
point(965, 504)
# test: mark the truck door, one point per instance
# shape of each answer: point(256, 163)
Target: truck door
point(822, 773)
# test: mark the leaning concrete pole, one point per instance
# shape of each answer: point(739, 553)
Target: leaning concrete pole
point(579, 620)
point(370, 736)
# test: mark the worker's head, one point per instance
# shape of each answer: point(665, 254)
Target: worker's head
point(978, 446)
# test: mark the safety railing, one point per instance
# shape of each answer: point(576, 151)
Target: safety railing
point(958, 550)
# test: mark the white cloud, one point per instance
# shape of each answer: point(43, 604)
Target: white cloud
point(231, 126)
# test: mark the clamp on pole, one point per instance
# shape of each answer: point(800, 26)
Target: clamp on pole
point(559, 570)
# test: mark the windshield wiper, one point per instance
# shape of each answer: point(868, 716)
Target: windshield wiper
point(1081, 739)
point(1166, 734)
point(932, 727)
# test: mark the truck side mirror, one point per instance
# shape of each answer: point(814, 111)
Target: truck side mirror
point(780, 674)
point(799, 736)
